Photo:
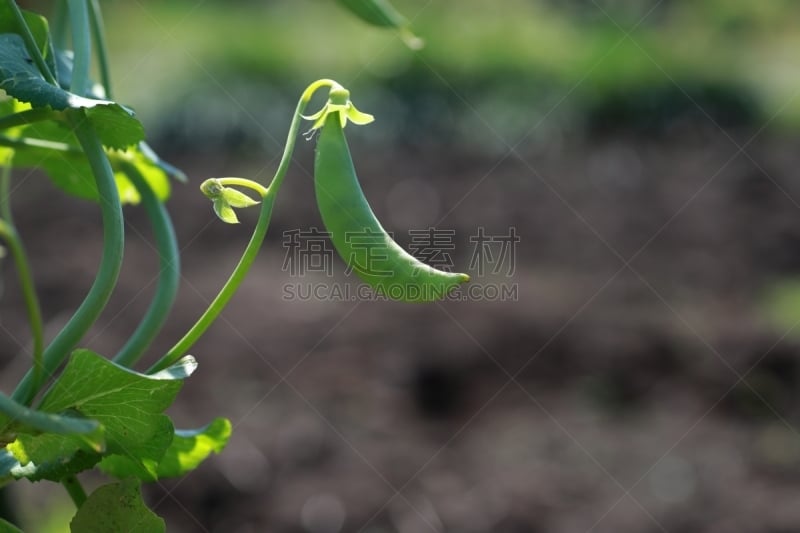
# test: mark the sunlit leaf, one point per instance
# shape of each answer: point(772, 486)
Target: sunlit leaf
point(128, 404)
point(49, 456)
point(189, 448)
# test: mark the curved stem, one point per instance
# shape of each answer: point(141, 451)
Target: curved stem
point(294, 129)
point(82, 45)
point(250, 252)
point(242, 182)
point(29, 116)
point(169, 273)
point(9, 234)
point(30, 42)
point(75, 490)
point(110, 262)
point(99, 35)
point(225, 294)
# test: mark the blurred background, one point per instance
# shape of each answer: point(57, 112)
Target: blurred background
point(619, 178)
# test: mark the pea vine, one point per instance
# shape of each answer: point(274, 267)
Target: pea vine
point(74, 409)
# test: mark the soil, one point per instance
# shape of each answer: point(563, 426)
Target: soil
point(634, 384)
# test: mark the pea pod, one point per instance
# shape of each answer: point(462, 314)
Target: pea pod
point(355, 231)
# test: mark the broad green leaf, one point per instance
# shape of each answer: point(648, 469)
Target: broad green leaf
point(22, 418)
point(145, 466)
point(128, 404)
point(383, 14)
point(8, 527)
point(49, 456)
point(116, 507)
point(115, 124)
point(53, 147)
point(189, 448)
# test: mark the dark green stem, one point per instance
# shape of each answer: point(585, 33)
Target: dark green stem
point(29, 116)
point(251, 251)
point(81, 44)
point(30, 42)
point(99, 35)
point(169, 274)
point(110, 263)
point(75, 490)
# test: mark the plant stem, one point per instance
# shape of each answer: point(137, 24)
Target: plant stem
point(9, 234)
point(241, 182)
point(227, 291)
point(75, 490)
point(29, 142)
point(82, 45)
point(169, 273)
point(58, 26)
point(30, 42)
point(110, 263)
point(99, 34)
point(29, 116)
point(5, 192)
point(250, 252)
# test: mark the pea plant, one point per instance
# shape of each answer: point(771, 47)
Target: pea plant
point(76, 410)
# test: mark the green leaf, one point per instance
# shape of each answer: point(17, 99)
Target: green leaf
point(53, 147)
point(117, 507)
point(37, 24)
point(115, 124)
point(383, 14)
point(189, 448)
point(128, 404)
point(8, 527)
point(224, 211)
point(49, 456)
point(145, 466)
point(153, 173)
point(24, 419)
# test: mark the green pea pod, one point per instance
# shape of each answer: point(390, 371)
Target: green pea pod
point(358, 236)
point(383, 14)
